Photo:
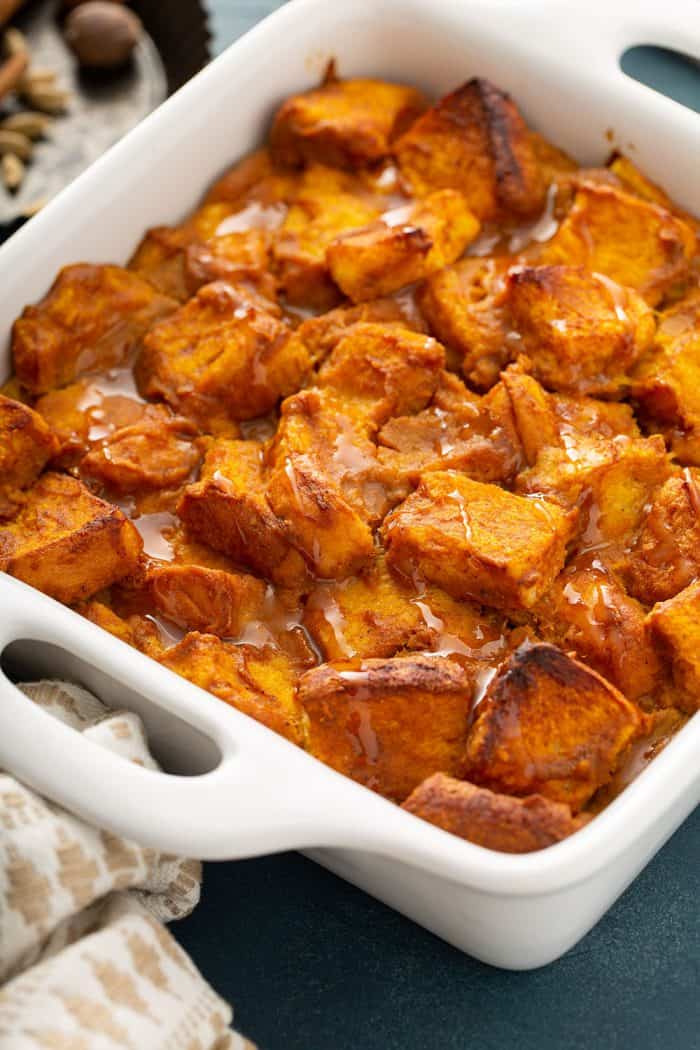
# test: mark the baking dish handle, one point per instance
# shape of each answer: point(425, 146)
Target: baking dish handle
point(263, 796)
point(604, 31)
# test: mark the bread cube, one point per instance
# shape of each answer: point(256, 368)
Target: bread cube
point(139, 631)
point(455, 432)
point(463, 307)
point(383, 370)
point(331, 435)
point(523, 409)
point(585, 415)
point(258, 682)
point(67, 542)
point(233, 257)
point(611, 480)
point(224, 355)
point(534, 420)
point(345, 123)
point(555, 165)
point(26, 445)
point(478, 541)
point(157, 452)
point(378, 614)
point(91, 410)
point(243, 176)
point(320, 335)
point(160, 259)
point(199, 589)
point(635, 181)
point(328, 203)
point(661, 727)
point(92, 318)
point(227, 509)
point(320, 519)
point(388, 724)
point(675, 628)
point(199, 598)
point(402, 246)
point(586, 611)
point(500, 822)
point(178, 264)
point(666, 383)
point(475, 141)
point(333, 538)
point(633, 242)
point(665, 556)
point(549, 725)
point(582, 332)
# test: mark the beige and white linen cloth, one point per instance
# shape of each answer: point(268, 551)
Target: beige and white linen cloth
point(85, 960)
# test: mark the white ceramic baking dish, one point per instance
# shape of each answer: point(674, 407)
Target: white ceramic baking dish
point(259, 794)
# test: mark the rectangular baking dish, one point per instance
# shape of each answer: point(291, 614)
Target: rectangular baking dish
point(238, 789)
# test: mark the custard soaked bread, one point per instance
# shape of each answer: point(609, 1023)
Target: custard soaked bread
point(392, 444)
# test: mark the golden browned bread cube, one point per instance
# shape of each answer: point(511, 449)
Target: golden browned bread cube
point(525, 412)
point(322, 334)
point(388, 723)
point(581, 331)
point(534, 420)
point(178, 264)
point(160, 259)
point(67, 542)
point(463, 306)
point(500, 822)
point(330, 435)
point(665, 556)
point(378, 613)
point(92, 410)
point(92, 318)
point(346, 123)
point(245, 175)
point(455, 432)
point(259, 682)
point(233, 257)
point(587, 611)
point(224, 355)
point(157, 452)
point(139, 631)
point(227, 509)
point(634, 242)
point(402, 246)
point(666, 382)
point(549, 725)
point(328, 203)
point(475, 141)
point(555, 165)
point(607, 419)
point(635, 181)
point(675, 627)
point(478, 541)
point(199, 598)
point(26, 445)
point(319, 520)
point(611, 480)
point(383, 370)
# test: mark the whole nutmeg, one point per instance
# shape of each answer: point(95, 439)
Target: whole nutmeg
point(102, 34)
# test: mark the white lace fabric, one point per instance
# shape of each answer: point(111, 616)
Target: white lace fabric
point(86, 961)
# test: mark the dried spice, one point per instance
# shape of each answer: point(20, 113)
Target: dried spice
point(101, 34)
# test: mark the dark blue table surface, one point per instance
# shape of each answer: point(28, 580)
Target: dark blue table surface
point(313, 964)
